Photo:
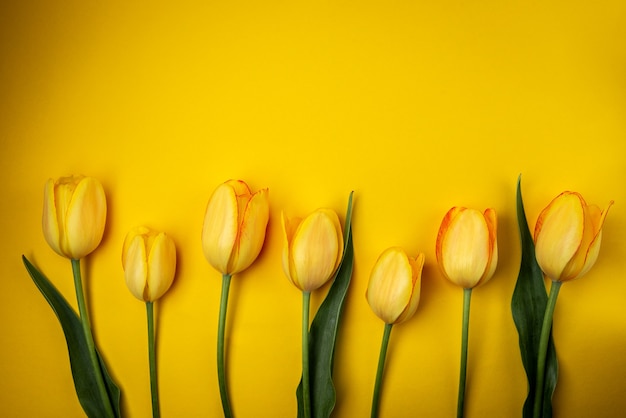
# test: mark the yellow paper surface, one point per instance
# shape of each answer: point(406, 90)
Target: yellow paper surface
point(417, 106)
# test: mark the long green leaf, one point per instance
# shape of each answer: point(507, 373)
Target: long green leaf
point(323, 333)
point(82, 370)
point(528, 306)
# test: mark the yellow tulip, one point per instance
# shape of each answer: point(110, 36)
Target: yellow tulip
point(149, 262)
point(393, 291)
point(567, 236)
point(234, 226)
point(74, 214)
point(467, 247)
point(313, 249)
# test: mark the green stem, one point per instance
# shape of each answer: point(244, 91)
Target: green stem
point(543, 348)
point(460, 408)
point(154, 383)
point(221, 374)
point(306, 394)
point(91, 346)
point(381, 368)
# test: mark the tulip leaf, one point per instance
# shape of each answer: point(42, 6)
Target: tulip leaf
point(528, 306)
point(323, 333)
point(82, 370)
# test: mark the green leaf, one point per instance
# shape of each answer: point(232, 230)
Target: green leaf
point(82, 370)
point(528, 306)
point(323, 333)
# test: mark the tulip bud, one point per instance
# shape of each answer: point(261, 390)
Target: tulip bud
point(467, 248)
point(149, 262)
point(234, 226)
point(74, 214)
point(313, 249)
point(567, 236)
point(393, 291)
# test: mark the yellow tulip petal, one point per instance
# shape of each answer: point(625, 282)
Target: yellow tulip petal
point(50, 222)
point(219, 230)
point(492, 226)
point(85, 218)
point(136, 267)
point(417, 266)
point(559, 232)
point(390, 285)
point(287, 234)
point(161, 267)
point(253, 224)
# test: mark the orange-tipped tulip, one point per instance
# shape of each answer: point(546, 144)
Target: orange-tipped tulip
point(467, 247)
point(393, 291)
point(567, 236)
point(149, 262)
point(74, 214)
point(313, 249)
point(234, 226)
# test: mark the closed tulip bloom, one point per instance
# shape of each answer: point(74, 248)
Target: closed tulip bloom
point(467, 248)
point(149, 262)
point(567, 236)
point(393, 291)
point(313, 248)
point(74, 215)
point(234, 226)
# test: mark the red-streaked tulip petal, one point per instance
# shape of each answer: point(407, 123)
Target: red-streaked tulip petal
point(255, 216)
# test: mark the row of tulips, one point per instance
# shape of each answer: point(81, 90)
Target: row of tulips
point(567, 240)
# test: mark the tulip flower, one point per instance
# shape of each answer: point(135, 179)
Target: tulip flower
point(567, 239)
point(234, 226)
point(149, 262)
point(232, 237)
point(467, 254)
point(74, 214)
point(467, 249)
point(393, 294)
point(312, 252)
point(313, 249)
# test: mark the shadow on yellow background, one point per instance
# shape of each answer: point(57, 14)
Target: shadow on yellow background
point(416, 106)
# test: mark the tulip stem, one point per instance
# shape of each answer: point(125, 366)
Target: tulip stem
point(467, 296)
point(91, 346)
point(543, 348)
point(221, 374)
point(154, 383)
point(306, 394)
point(381, 368)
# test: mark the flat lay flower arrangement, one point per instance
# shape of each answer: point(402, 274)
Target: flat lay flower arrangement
point(317, 249)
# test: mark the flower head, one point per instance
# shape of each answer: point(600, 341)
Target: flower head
point(567, 236)
point(234, 226)
point(393, 291)
point(74, 214)
point(313, 248)
point(149, 262)
point(467, 248)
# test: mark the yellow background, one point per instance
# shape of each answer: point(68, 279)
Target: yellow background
point(417, 106)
